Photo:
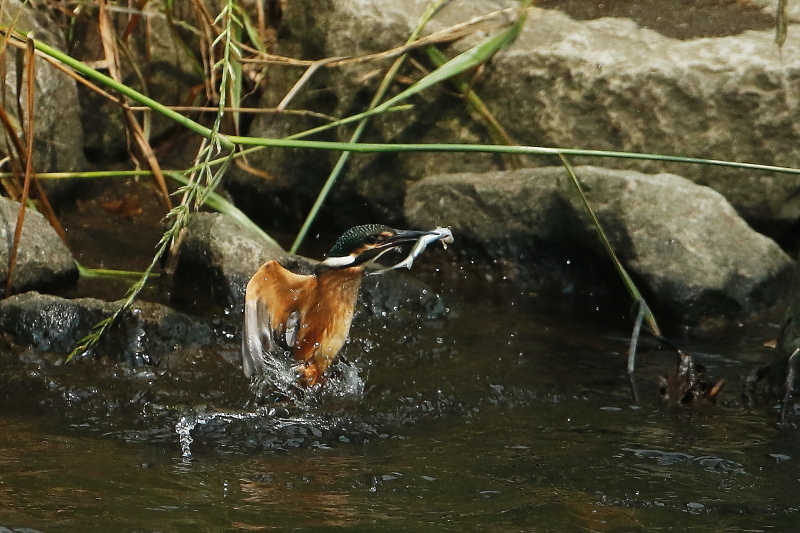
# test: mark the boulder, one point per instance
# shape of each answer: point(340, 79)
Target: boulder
point(143, 334)
point(604, 84)
point(686, 247)
point(58, 139)
point(43, 260)
point(217, 258)
point(155, 59)
point(609, 85)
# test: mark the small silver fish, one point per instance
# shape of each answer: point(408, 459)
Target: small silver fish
point(439, 234)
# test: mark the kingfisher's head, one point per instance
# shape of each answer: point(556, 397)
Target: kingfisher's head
point(361, 244)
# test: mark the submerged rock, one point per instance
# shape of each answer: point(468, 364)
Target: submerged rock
point(788, 340)
point(43, 260)
point(684, 244)
point(143, 334)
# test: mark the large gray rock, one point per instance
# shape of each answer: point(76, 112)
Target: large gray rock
point(336, 28)
point(683, 243)
point(58, 139)
point(218, 257)
point(156, 59)
point(605, 84)
point(143, 334)
point(43, 260)
point(610, 85)
point(770, 6)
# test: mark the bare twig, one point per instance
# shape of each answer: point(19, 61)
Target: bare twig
point(791, 374)
point(112, 57)
point(453, 33)
point(312, 68)
point(30, 74)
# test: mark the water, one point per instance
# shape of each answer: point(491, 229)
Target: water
point(494, 419)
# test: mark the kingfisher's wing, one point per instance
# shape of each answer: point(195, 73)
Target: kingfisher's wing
point(273, 314)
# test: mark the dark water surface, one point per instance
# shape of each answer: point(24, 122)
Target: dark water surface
point(494, 419)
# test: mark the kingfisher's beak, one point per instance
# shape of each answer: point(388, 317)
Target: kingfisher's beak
point(399, 238)
point(405, 236)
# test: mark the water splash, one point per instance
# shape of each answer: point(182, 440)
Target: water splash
point(342, 382)
point(184, 428)
point(271, 420)
point(279, 378)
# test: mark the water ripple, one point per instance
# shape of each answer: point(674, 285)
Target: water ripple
point(708, 462)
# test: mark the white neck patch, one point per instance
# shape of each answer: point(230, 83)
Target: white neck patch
point(339, 261)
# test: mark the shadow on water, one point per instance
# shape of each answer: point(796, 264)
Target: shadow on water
point(498, 417)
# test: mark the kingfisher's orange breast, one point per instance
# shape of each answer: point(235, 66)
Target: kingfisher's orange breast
point(328, 319)
point(323, 306)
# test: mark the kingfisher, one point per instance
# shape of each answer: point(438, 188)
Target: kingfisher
point(304, 312)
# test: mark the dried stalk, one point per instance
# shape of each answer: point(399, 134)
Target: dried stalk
point(111, 52)
point(30, 73)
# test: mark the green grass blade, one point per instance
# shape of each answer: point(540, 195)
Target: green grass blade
point(472, 58)
point(501, 149)
point(104, 273)
point(432, 9)
point(221, 204)
point(781, 22)
point(629, 284)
